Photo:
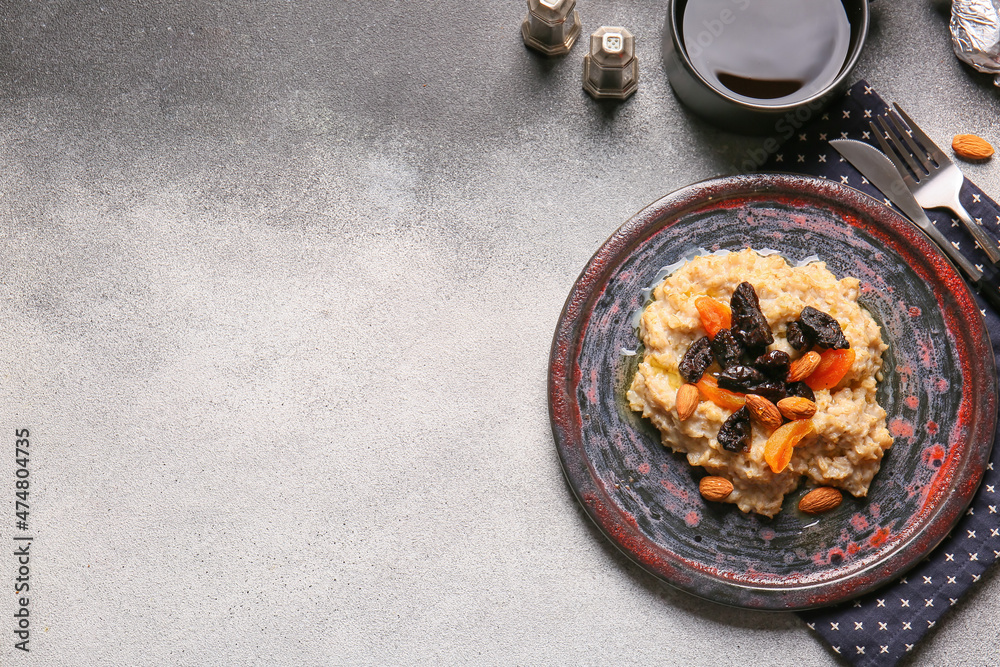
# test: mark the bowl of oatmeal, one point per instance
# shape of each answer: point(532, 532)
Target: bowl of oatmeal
point(847, 430)
point(905, 434)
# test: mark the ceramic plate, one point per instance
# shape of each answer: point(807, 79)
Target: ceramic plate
point(939, 393)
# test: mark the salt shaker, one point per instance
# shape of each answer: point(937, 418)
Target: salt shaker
point(551, 26)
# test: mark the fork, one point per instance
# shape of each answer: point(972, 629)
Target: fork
point(930, 175)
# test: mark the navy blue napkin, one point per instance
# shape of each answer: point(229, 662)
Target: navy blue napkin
point(881, 628)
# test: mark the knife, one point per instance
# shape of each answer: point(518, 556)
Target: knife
point(881, 172)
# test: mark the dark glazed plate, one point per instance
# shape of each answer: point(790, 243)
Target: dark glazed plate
point(939, 393)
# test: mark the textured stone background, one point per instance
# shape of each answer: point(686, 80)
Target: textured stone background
point(278, 282)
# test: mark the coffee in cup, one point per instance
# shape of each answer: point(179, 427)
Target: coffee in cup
point(748, 61)
point(767, 51)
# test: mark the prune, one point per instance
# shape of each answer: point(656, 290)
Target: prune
point(697, 358)
point(797, 336)
point(734, 434)
point(772, 390)
point(802, 390)
point(823, 329)
point(726, 349)
point(741, 378)
point(773, 364)
point(749, 324)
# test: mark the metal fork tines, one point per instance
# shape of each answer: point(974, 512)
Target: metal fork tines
point(930, 175)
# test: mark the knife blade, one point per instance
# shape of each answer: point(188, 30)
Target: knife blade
point(881, 172)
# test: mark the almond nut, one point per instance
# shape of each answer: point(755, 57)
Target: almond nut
point(687, 401)
point(715, 488)
point(796, 407)
point(803, 367)
point(819, 500)
point(764, 411)
point(971, 147)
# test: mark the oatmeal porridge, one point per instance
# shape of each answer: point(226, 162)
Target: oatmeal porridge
point(763, 374)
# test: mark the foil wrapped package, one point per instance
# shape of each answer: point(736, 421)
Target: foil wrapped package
point(975, 34)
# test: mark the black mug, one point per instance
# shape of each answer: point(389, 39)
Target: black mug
point(803, 58)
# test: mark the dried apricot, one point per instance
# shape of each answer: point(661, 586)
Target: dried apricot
point(710, 391)
point(715, 315)
point(833, 366)
point(778, 450)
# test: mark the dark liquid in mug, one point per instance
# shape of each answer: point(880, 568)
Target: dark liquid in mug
point(780, 51)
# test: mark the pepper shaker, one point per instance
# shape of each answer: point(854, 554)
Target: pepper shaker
point(611, 69)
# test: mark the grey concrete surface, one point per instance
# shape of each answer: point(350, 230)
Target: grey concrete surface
point(278, 282)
